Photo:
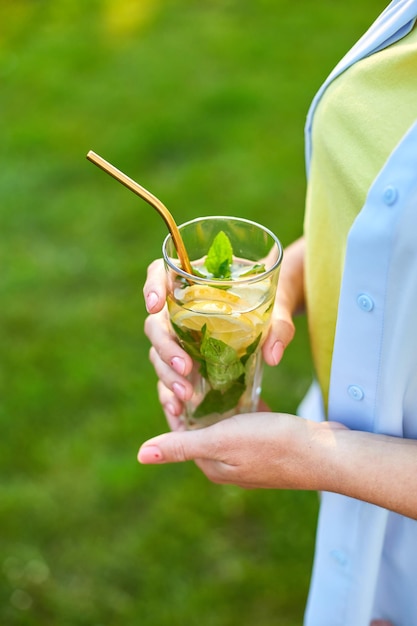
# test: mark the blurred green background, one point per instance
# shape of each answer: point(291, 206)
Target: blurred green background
point(204, 104)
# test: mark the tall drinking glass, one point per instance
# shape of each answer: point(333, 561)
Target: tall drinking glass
point(221, 313)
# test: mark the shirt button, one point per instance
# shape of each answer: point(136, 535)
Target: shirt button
point(390, 195)
point(340, 557)
point(356, 392)
point(365, 302)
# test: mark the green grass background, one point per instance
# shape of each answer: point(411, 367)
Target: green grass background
point(204, 104)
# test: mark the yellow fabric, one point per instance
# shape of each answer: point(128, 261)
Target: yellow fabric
point(361, 117)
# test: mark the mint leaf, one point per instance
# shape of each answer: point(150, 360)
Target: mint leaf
point(217, 402)
point(258, 268)
point(222, 363)
point(250, 349)
point(220, 256)
point(190, 341)
point(197, 273)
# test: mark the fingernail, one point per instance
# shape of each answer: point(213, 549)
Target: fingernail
point(150, 454)
point(151, 300)
point(277, 352)
point(179, 390)
point(178, 364)
point(170, 408)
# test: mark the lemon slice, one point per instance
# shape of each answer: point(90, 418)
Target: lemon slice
point(251, 295)
point(237, 330)
point(206, 292)
point(228, 315)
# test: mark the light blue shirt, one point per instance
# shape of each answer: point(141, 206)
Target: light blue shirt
point(365, 563)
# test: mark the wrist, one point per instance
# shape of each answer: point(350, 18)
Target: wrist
point(325, 448)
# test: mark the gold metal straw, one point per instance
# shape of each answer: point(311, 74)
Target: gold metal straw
point(150, 199)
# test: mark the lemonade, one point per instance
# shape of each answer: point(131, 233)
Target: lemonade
point(221, 316)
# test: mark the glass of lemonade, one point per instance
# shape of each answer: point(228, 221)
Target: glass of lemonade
point(221, 313)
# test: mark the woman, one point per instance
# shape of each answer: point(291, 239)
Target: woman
point(355, 269)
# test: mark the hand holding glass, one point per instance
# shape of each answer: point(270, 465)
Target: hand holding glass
point(221, 313)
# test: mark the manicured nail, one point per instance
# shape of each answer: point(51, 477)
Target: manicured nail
point(277, 352)
point(170, 408)
point(150, 454)
point(178, 364)
point(179, 390)
point(151, 300)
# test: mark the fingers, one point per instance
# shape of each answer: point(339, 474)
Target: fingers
point(170, 403)
point(209, 447)
point(381, 622)
point(154, 289)
point(179, 385)
point(172, 364)
point(176, 447)
point(281, 333)
point(172, 407)
point(159, 333)
point(289, 300)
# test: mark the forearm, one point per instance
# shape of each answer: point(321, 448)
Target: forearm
point(370, 467)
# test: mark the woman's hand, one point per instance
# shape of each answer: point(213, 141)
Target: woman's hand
point(172, 364)
point(258, 450)
point(288, 302)
point(280, 451)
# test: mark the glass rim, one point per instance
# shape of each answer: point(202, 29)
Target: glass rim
point(211, 281)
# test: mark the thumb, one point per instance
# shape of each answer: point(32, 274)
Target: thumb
point(154, 289)
point(280, 335)
point(175, 447)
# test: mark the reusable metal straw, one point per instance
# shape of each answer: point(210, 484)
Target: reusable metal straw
point(150, 199)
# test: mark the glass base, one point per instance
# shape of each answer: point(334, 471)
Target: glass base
point(248, 402)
